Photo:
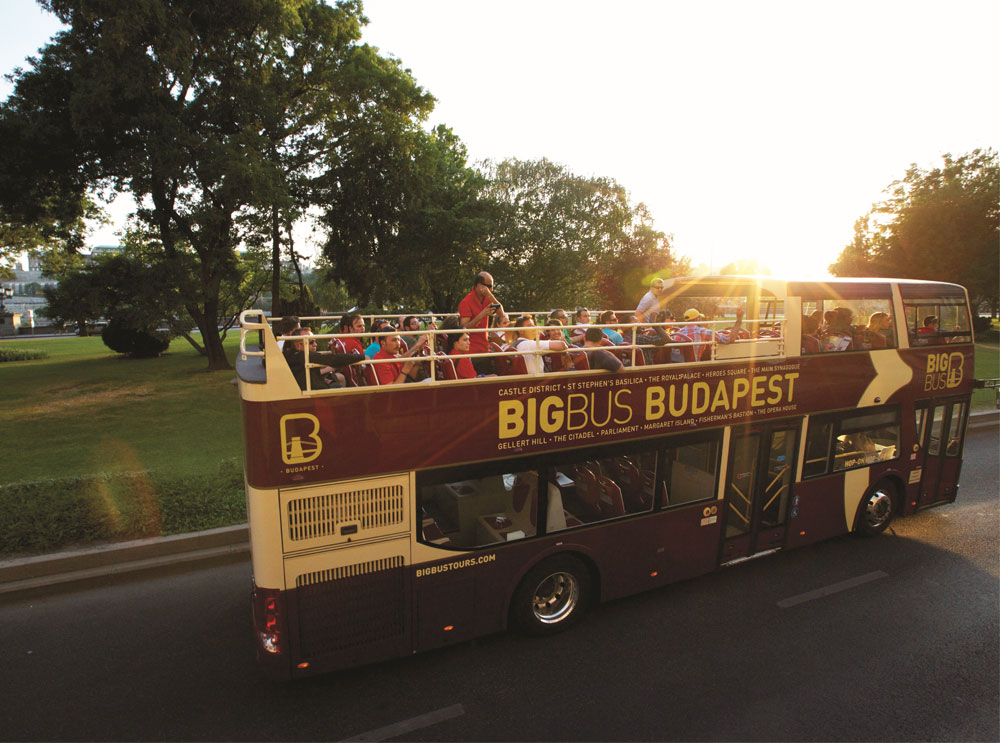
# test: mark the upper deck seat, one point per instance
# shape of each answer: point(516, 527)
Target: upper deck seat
point(500, 363)
point(666, 355)
point(580, 360)
point(371, 378)
point(353, 376)
point(445, 367)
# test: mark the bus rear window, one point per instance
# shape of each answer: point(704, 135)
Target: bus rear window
point(930, 322)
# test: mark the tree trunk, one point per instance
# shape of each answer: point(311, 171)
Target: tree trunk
point(210, 338)
point(276, 308)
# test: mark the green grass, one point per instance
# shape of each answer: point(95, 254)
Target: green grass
point(987, 367)
point(83, 421)
point(85, 410)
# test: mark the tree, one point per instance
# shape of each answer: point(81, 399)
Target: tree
point(560, 239)
point(404, 216)
point(202, 111)
point(940, 224)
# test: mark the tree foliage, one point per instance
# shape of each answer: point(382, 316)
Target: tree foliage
point(940, 224)
point(210, 114)
point(404, 216)
point(560, 239)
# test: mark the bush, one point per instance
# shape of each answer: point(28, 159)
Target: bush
point(47, 515)
point(21, 354)
point(981, 324)
point(139, 344)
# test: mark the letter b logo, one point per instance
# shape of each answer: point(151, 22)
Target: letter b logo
point(300, 441)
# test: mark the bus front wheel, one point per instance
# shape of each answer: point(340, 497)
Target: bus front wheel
point(876, 510)
point(553, 596)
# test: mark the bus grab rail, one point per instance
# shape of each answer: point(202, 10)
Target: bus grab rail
point(677, 327)
point(247, 325)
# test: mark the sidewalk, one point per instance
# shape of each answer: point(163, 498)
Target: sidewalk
point(98, 565)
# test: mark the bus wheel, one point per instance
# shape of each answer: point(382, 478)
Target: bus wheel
point(876, 510)
point(552, 596)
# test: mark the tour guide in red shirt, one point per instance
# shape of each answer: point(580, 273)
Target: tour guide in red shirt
point(475, 311)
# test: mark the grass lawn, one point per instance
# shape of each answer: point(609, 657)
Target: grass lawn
point(85, 410)
point(987, 367)
point(100, 447)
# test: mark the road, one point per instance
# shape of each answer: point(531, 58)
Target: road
point(908, 650)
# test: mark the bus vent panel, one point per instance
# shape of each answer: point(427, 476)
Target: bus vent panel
point(333, 514)
point(350, 607)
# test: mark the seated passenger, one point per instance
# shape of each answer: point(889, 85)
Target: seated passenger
point(871, 337)
point(409, 330)
point(839, 335)
point(352, 323)
point(378, 326)
point(580, 317)
point(929, 329)
point(608, 317)
point(319, 377)
point(398, 372)
point(810, 327)
point(287, 325)
point(696, 332)
point(459, 344)
point(527, 340)
point(598, 358)
point(554, 332)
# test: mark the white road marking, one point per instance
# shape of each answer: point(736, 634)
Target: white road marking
point(832, 588)
point(414, 723)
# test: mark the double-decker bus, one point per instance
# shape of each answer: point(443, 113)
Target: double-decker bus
point(386, 520)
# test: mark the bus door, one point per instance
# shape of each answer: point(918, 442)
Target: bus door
point(943, 432)
point(759, 483)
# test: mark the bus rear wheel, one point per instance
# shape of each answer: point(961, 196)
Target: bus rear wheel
point(875, 513)
point(553, 596)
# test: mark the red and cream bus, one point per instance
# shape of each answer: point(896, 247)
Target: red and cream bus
point(390, 520)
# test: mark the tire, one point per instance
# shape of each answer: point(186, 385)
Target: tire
point(552, 596)
point(876, 510)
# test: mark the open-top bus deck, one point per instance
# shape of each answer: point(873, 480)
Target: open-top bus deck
point(386, 520)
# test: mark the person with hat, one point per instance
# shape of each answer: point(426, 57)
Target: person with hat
point(700, 335)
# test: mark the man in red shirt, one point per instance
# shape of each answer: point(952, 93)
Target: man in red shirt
point(475, 311)
point(401, 371)
point(351, 324)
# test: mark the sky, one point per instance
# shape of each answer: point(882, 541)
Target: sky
point(751, 130)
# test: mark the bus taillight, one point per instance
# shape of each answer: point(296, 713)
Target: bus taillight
point(268, 619)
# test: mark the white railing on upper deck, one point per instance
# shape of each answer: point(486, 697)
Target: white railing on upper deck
point(739, 343)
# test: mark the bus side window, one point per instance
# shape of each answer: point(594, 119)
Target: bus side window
point(691, 473)
point(817, 449)
point(480, 512)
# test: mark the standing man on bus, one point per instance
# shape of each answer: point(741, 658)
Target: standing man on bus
point(475, 311)
point(650, 301)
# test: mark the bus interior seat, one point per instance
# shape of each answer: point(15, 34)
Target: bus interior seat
point(611, 498)
point(580, 361)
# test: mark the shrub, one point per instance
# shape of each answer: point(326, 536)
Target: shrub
point(139, 344)
point(21, 354)
point(47, 515)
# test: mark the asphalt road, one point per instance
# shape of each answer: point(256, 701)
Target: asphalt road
point(908, 650)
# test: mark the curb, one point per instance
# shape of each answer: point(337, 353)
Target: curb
point(97, 565)
point(984, 420)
